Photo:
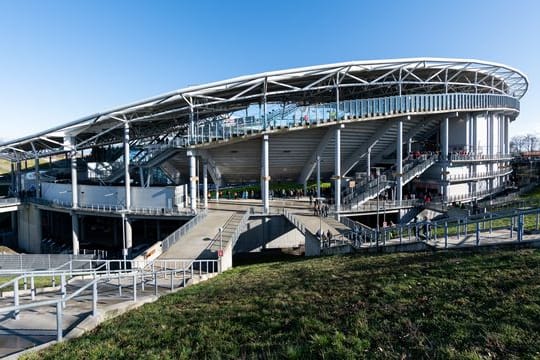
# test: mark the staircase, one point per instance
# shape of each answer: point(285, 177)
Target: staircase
point(410, 215)
point(364, 193)
point(417, 167)
point(231, 231)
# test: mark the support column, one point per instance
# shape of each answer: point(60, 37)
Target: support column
point(141, 176)
point(192, 181)
point(127, 179)
point(75, 232)
point(19, 178)
point(265, 178)
point(368, 172)
point(318, 176)
point(409, 146)
point(399, 162)
point(337, 170)
point(38, 177)
point(74, 203)
point(205, 184)
point(444, 153)
point(491, 148)
point(129, 236)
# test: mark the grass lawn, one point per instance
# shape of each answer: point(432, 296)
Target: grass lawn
point(39, 282)
point(424, 305)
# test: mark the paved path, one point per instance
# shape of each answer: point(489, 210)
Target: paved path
point(38, 326)
point(196, 241)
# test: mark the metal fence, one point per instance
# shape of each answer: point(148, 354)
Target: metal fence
point(175, 236)
point(487, 228)
point(25, 262)
point(169, 274)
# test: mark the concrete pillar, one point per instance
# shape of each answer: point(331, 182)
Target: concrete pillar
point(444, 153)
point(409, 146)
point(399, 162)
point(14, 221)
point(127, 179)
point(75, 233)
point(368, 170)
point(265, 178)
point(38, 178)
point(74, 188)
point(141, 176)
point(19, 177)
point(192, 181)
point(337, 170)
point(506, 129)
point(205, 184)
point(474, 135)
point(318, 176)
point(74, 204)
point(128, 233)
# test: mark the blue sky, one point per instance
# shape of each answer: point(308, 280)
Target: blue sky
point(61, 60)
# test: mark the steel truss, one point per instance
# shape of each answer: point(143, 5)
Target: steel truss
point(172, 113)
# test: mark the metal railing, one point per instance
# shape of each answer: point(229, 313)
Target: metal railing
point(9, 201)
point(458, 157)
point(487, 228)
point(168, 271)
point(225, 129)
point(295, 221)
point(481, 175)
point(12, 263)
point(417, 167)
point(372, 190)
point(181, 231)
point(110, 208)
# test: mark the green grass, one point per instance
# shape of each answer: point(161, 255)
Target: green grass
point(39, 282)
point(425, 305)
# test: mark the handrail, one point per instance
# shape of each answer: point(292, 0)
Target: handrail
point(487, 174)
point(176, 235)
point(225, 129)
point(97, 207)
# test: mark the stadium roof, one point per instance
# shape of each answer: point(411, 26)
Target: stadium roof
point(172, 111)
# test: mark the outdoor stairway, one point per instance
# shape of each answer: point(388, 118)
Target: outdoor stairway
point(417, 167)
point(231, 230)
point(369, 190)
point(411, 214)
point(198, 238)
point(338, 226)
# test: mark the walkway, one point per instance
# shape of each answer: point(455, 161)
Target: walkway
point(196, 241)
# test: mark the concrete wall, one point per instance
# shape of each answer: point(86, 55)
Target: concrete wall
point(29, 228)
point(153, 197)
point(268, 232)
point(313, 245)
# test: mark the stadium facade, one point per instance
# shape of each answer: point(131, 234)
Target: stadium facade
point(406, 129)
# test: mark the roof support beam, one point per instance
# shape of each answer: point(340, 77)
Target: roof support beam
point(312, 162)
point(213, 169)
point(355, 157)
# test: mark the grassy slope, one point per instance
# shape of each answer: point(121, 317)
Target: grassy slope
point(443, 305)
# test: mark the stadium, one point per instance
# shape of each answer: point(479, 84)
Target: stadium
point(365, 137)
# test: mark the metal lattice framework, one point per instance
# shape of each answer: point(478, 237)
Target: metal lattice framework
point(172, 112)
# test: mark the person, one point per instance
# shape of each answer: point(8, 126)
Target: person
point(310, 199)
point(329, 235)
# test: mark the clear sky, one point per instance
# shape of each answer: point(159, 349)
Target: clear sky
point(61, 60)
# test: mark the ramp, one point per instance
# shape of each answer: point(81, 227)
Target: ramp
point(197, 239)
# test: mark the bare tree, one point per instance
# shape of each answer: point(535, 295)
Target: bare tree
point(517, 144)
point(531, 142)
